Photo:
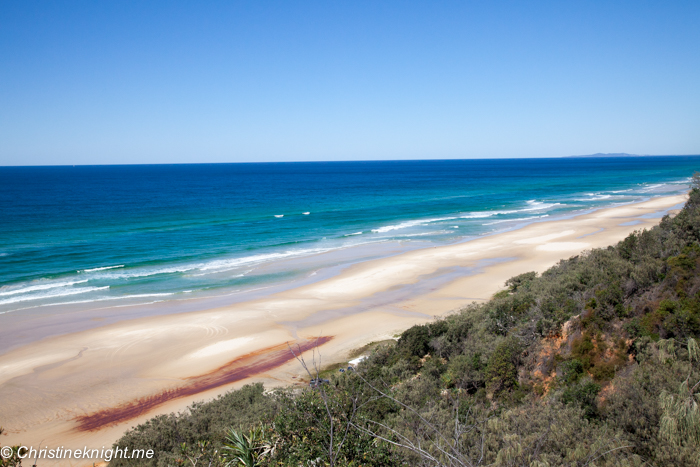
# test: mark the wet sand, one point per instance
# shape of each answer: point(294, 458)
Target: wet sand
point(86, 388)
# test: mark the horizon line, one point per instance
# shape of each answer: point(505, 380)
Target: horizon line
point(585, 156)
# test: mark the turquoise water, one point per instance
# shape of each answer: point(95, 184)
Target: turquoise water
point(132, 235)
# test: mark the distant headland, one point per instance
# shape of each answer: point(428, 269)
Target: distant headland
point(612, 154)
point(624, 154)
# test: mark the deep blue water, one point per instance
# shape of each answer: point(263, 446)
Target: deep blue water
point(138, 234)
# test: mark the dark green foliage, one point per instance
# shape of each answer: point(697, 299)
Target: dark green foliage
point(584, 351)
point(304, 428)
point(582, 395)
point(634, 407)
point(459, 327)
point(507, 311)
point(521, 281)
point(552, 434)
point(249, 449)
point(12, 459)
point(502, 369)
point(571, 371)
point(209, 422)
point(415, 341)
point(465, 372)
point(474, 388)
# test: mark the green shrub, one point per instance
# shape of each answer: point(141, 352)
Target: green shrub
point(572, 370)
point(582, 395)
point(645, 288)
point(201, 422)
point(502, 369)
point(414, 341)
point(521, 281)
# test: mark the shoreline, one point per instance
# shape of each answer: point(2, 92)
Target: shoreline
point(45, 324)
point(37, 323)
point(42, 384)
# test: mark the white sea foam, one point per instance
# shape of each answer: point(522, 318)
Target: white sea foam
point(538, 206)
point(306, 213)
point(403, 225)
point(594, 197)
point(99, 299)
point(33, 288)
point(350, 235)
point(664, 187)
point(684, 181)
point(227, 264)
point(479, 215)
point(55, 294)
point(279, 215)
point(212, 267)
point(224, 270)
point(102, 268)
point(533, 205)
point(399, 236)
point(672, 186)
point(437, 232)
point(516, 220)
point(144, 295)
point(147, 272)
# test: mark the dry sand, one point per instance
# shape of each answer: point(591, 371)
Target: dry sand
point(87, 388)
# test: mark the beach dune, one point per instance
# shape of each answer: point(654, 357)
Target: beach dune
point(86, 388)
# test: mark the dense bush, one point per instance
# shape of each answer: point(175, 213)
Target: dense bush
point(201, 422)
point(583, 395)
point(504, 382)
point(502, 369)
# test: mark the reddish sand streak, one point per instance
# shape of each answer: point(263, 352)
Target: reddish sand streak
point(243, 367)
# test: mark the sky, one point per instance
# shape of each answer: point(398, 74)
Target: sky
point(251, 81)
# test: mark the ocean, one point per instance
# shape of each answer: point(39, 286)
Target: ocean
point(132, 235)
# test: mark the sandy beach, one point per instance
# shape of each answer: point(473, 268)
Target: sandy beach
point(86, 388)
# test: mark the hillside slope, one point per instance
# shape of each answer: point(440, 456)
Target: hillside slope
point(594, 362)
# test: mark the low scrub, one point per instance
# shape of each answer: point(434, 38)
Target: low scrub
point(594, 362)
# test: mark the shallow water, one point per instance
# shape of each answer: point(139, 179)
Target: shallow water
point(110, 236)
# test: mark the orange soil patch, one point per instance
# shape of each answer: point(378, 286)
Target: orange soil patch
point(550, 347)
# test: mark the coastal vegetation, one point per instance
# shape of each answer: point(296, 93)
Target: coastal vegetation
point(593, 362)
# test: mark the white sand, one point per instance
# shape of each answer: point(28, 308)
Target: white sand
point(44, 386)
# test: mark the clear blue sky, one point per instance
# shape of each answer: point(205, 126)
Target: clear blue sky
point(162, 82)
